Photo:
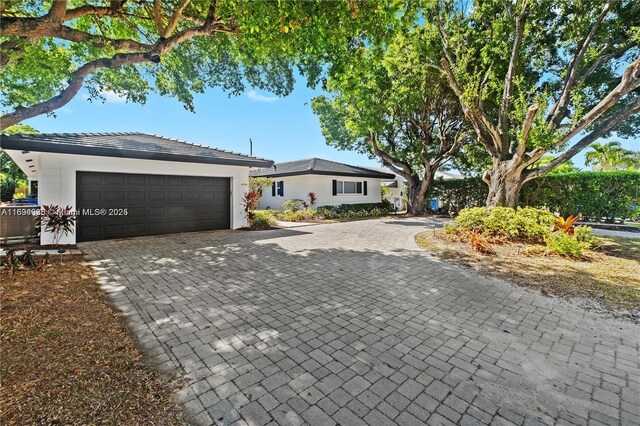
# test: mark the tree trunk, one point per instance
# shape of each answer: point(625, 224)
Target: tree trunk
point(505, 182)
point(416, 201)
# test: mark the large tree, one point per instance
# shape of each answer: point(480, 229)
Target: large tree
point(51, 49)
point(389, 104)
point(537, 77)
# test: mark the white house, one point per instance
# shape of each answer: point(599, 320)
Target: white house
point(332, 183)
point(134, 184)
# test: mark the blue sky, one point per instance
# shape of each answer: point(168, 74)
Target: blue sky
point(282, 129)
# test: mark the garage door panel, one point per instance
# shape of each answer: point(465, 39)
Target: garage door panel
point(155, 195)
point(114, 195)
point(156, 204)
point(136, 180)
point(135, 195)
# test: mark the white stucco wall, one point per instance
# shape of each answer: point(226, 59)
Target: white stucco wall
point(396, 196)
point(299, 186)
point(57, 179)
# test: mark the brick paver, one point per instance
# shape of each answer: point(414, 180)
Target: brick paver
point(351, 323)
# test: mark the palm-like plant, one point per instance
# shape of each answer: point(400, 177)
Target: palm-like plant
point(611, 156)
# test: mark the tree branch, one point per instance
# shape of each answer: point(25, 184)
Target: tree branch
point(557, 113)
point(75, 82)
point(399, 167)
point(629, 81)
point(605, 127)
point(505, 107)
point(488, 135)
point(173, 22)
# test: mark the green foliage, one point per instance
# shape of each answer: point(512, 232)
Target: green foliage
point(258, 184)
point(564, 244)
point(261, 44)
point(521, 223)
point(8, 168)
point(611, 156)
point(594, 195)
point(299, 215)
point(530, 75)
point(584, 234)
point(7, 188)
point(458, 194)
point(344, 211)
point(263, 219)
point(390, 104)
point(567, 167)
point(294, 204)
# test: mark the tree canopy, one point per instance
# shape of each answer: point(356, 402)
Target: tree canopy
point(539, 76)
point(390, 104)
point(51, 49)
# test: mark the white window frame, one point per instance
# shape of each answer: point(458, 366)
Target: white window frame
point(340, 188)
point(279, 186)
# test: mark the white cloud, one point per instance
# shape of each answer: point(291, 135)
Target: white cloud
point(254, 96)
point(113, 98)
point(67, 110)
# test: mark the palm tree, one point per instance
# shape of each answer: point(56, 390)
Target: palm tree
point(611, 156)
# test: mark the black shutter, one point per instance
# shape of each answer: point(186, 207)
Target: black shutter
point(281, 188)
point(365, 188)
point(273, 189)
point(335, 187)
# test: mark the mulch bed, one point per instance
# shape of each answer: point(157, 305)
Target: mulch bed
point(607, 275)
point(66, 356)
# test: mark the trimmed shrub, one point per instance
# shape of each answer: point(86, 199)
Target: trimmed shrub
point(298, 215)
point(584, 235)
point(263, 219)
point(594, 195)
point(294, 204)
point(564, 244)
point(524, 223)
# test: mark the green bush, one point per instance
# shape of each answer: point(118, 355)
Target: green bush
point(564, 244)
point(353, 211)
point(584, 235)
point(527, 223)
point(263, 219)
point(294, 204)
point(7, 188)
point(594, 195)
point(298, 215)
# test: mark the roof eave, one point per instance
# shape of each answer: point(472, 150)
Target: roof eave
point(7, 143)
point(314, 172)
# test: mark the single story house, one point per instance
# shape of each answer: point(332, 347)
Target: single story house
point(134, 184)
point(333, 183)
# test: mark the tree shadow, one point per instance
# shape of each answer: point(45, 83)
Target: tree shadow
point(232, 309)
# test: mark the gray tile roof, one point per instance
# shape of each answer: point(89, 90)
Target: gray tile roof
point(318, 166)
point(128, 145)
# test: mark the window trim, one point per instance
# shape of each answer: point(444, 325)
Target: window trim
point(340, 188)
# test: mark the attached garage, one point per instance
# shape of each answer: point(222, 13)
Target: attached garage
point(149, 204)
point(134, 184)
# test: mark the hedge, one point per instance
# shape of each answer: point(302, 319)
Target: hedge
point(594, 195)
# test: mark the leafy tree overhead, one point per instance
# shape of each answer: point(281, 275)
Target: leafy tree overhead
point(611, 156)
point(52, 48)
point(9, 170)
point(389, 104)
point(539, 77)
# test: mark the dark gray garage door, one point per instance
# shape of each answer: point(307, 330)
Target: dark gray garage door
point(154, 204)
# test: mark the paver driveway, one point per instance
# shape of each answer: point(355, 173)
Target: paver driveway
point(352, 324)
